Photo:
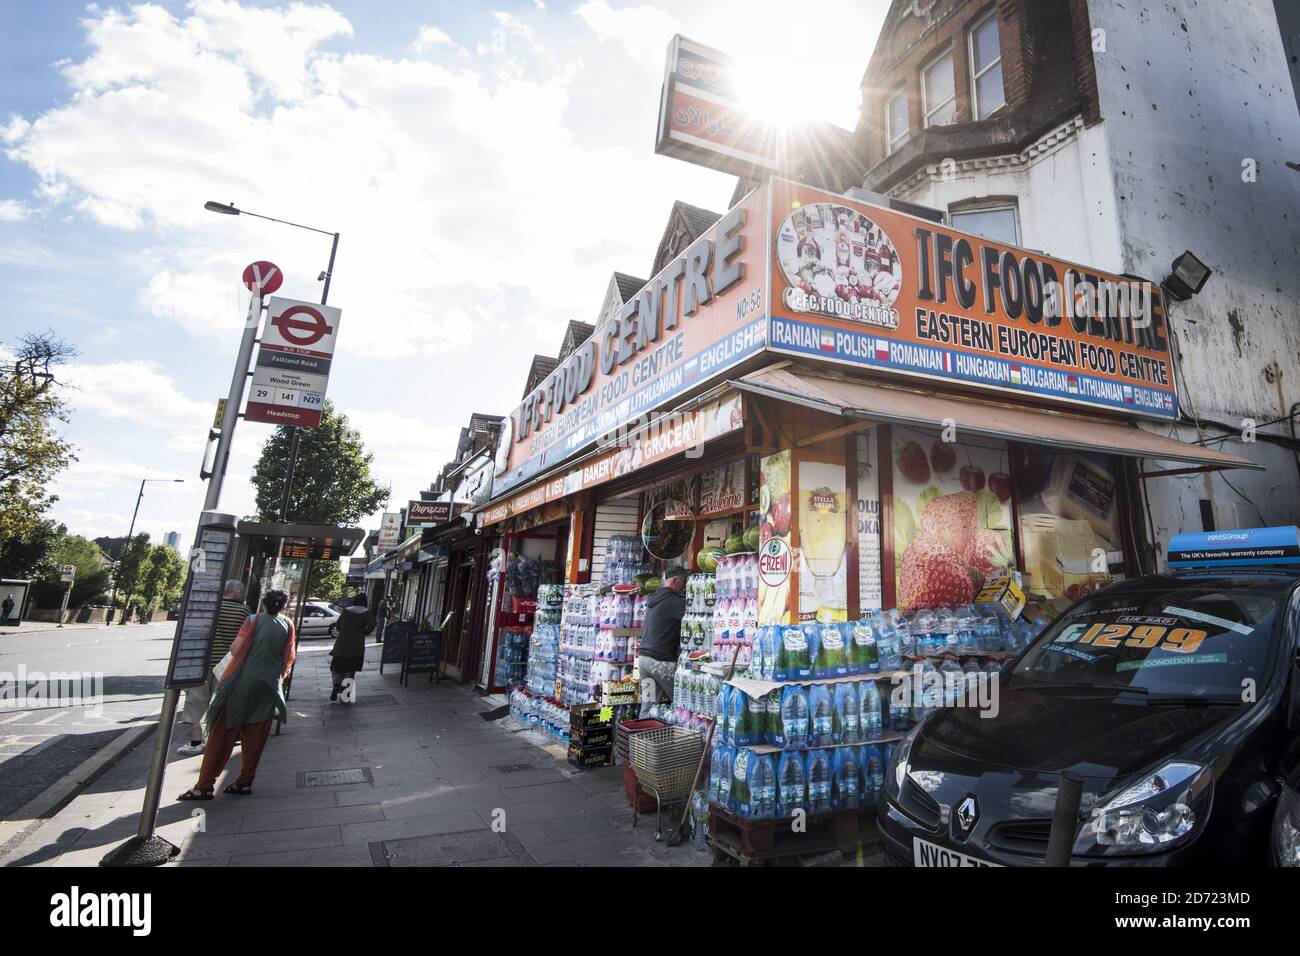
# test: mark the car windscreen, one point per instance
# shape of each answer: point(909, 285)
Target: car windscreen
point(1190, 640)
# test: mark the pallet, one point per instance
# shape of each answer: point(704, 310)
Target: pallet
point(749, 842)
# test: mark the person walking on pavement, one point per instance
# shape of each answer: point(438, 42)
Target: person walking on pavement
point(6, 608)
point(249, 696)
point(661, 637)
point(230, 618)
point(349, 653)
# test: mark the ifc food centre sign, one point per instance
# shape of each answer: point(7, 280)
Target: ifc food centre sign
point(798, 271)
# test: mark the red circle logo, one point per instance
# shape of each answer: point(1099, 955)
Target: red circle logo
point(308, 330)
point(262, 277)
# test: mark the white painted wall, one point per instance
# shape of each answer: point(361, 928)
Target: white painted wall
point(1067, 205)
point(1221, 88)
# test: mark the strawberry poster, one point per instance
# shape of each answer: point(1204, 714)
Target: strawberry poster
point(952, 517)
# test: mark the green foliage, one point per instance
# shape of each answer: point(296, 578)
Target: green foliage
point(32, 452)
point(332, 483)
point(27, 554)
point(327, 581)
point(92, 579)
point(133, 567)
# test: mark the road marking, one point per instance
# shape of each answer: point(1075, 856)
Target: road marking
point(50, 719)
point(15, 718)
point(32, 815)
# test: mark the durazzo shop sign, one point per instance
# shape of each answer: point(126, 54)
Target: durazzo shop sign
point(702, 314)
point(872, 287)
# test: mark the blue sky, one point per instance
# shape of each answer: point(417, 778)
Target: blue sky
point(487, 165)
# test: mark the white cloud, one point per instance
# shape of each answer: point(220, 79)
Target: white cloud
point(430, 36)
point(642, 30)
point(14, 130)
point(136, 391)
point(11, 210)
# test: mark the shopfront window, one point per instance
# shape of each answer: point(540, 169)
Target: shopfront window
point(952, 516)
point(1069, 521)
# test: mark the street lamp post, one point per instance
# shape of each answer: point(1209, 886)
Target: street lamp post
point(229, 209)
point(112, 602)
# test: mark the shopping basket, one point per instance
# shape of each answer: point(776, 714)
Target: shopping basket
point(665, 760)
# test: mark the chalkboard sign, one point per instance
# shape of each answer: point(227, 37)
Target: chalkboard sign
point(394, 644)
point(423, 651)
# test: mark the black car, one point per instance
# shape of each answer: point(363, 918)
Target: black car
point(1175, 699)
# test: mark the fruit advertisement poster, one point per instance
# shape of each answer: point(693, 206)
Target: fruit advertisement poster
point(821, 546)
point(870, 597)
point(775, 555)
point(952, 517)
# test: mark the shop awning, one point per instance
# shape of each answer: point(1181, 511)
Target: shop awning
point(892, 404)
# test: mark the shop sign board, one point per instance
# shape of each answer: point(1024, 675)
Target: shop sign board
point(390, 532)
point(655, 442)
point(356, 567)
point(475, 486)
point(293, 363)
point(700, 119)
point(874, 288)
point(430, 514)
point(722, 489)
point(703, 314)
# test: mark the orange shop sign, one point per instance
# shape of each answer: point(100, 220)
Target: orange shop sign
point(661, 439)
point(870, 287)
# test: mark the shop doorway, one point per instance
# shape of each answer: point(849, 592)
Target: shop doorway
point(462, 597)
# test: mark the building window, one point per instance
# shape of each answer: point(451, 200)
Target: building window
point(938, 92)
point(997, 223)
point(986, 67)
point(896, 121)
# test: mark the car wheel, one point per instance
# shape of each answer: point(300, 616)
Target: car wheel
point(334, 631)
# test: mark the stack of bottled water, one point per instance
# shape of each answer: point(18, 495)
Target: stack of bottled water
point(512, 657)
point(624, 560)
point(543, 660)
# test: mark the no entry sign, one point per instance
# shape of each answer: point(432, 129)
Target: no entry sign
point(293, 363)
point(262, 277)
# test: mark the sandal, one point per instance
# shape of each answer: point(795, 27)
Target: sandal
point(240, 789)
point(194, 793)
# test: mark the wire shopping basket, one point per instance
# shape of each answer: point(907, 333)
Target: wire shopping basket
point(665, 760)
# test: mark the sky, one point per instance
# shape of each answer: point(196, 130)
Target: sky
point(488, 167)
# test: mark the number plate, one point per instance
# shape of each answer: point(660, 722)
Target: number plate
point(928, 854)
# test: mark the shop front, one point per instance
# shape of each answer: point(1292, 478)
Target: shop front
point(874, 441)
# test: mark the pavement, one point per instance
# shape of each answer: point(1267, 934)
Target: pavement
point(431, 779)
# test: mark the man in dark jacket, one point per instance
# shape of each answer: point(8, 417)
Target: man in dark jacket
point(661, 636)
point(349, 653)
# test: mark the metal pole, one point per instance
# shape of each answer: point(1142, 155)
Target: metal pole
point(1065, 820)
point(147, 849)
point(63, 611)
point(293, 430)
point(112, 601)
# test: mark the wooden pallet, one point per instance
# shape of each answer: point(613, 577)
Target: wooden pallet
point(772, 841)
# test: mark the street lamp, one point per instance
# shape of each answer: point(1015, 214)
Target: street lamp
point(112, 602)
point(230, 209)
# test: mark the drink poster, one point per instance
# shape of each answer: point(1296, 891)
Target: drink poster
point(870, 597)
point(775, 554)
point(952, 517)
point(823, 517)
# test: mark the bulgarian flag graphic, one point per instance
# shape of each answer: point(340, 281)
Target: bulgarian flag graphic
point(1072, 384)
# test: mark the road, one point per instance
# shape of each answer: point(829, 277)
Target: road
point(40, 744)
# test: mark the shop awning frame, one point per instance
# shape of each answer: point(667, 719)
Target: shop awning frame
point(874, 401)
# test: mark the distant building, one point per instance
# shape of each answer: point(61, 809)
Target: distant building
point(173, 540)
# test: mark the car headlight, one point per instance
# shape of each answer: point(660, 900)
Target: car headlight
point(1163, 808)
point(1286, 829)
point(896, 772)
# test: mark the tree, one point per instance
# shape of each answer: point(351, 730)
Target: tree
point(327, 581)
point(32, 453)
point(27, 554)
point(331, 485)
point(92, 578)
point(133, 566)
point(331, 480)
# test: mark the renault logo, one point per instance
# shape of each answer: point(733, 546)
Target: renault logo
point(968, 811)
